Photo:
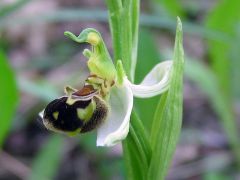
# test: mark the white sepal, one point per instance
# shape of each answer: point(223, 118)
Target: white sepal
point(155, 83)
point(116, 126)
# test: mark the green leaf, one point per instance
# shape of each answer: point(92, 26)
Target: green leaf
point(148, 57)
point(235, 64)
point(137, 150)
point(225, 18)
point(8, 97)
point(168, 117)
point(132, 160)
point(139, 134)
point(46, 163)
point(135, 29)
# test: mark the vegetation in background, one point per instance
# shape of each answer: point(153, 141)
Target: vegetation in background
point(8, 98)
point(218, 78)
point(225, 65)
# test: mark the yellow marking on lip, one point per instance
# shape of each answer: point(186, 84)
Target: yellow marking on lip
point(86, 113)
point(70, 101)
point(74, 133)
point(55, 115)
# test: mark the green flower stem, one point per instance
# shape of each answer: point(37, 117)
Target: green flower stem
point(124, 19)
point(126, 34)
point(115, 10)
point(120, 25)
point(135, 29)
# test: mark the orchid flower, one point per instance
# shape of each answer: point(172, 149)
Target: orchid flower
point(106, 100)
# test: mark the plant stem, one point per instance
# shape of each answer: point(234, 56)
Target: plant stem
point(124, 22)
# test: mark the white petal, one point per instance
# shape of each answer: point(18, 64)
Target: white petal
point(116, 126)
point(156, 81)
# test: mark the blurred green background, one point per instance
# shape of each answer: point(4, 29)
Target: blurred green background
point(37, 61)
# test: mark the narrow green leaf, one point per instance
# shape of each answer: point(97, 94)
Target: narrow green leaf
point(158, 113)
point(225, 18)
point(235, 64)
point(47, 161)
point(131, 160)
point(137, 150)
point(126, 35)
point(148, 57)
point(138, 129)
point(135, 29)
point(168, 118)
point(8, 96)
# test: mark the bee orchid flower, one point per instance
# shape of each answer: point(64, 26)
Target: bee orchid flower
point(106, 100)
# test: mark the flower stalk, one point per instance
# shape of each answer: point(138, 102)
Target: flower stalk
point(124, 23)
point(145, 159)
